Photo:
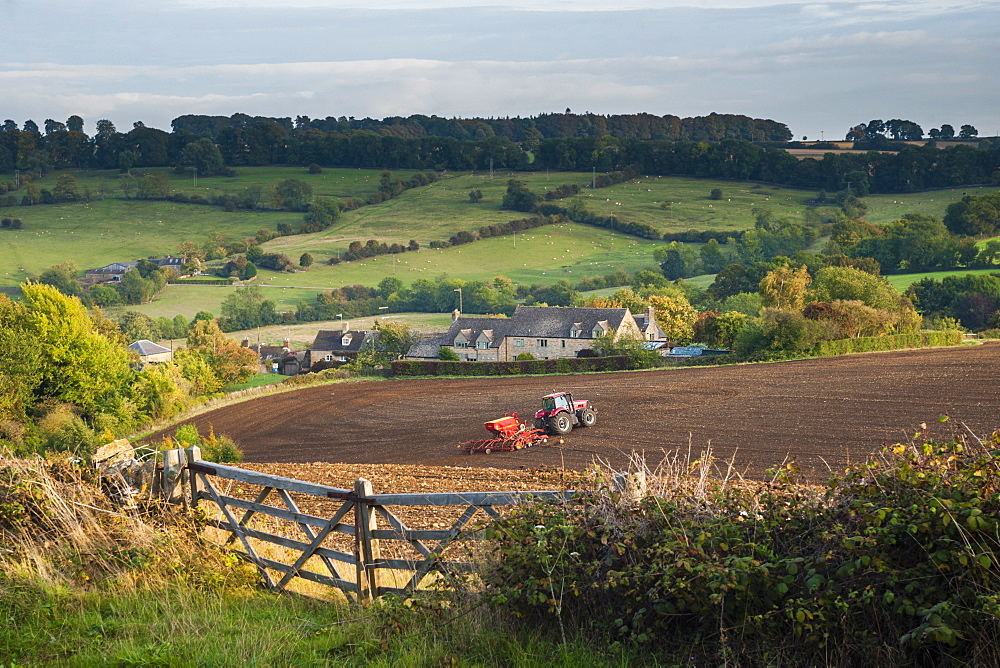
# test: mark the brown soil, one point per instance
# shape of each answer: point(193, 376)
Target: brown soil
point(820, 413)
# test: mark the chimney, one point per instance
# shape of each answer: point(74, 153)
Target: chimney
point(455, 315)
point(650, 315)
point(286, 344)
point(344, 325)
point(246, 342)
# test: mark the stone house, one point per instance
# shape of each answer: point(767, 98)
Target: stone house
point(546, 332)
point(337, 346)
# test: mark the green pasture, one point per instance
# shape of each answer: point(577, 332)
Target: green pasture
point(187, 300)
point(542, 255)
point(884, 208)
point(98, 233)
point(333, 182)
point(301, 335)
point(689, 206)
point(903, 281)
point(110, 229)
point(432, 213)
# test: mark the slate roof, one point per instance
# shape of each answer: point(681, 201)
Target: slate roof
point(537, 322)
point(145, 347)
point(332, 340)
point(427, 348)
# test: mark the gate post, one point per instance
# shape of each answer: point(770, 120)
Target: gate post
point(173, 467)
point(366, 548)
point(194, 485)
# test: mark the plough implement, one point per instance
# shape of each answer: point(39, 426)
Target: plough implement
point(508, 434)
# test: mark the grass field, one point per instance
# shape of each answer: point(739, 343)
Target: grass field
point(103, 231)
point(301, 335)
point(112, 229)
point(542, 255)
point(903, 281)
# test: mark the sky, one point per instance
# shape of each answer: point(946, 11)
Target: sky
point(818, 67)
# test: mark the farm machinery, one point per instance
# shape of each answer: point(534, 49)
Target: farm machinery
point(558, 415)
point(508, 434)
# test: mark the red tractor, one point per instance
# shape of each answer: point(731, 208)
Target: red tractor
point(560, 413)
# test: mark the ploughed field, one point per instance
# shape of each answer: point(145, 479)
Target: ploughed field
point(818, 412)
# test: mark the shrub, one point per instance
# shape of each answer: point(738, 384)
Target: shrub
point(895, 560)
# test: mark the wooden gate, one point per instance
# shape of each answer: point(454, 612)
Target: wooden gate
point(361, 543)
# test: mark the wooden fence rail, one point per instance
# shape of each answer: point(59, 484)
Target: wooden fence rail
point(361, 545)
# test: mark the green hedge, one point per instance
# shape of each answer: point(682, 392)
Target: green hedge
point(402, 368)
point(202, 281)
point(867, 344)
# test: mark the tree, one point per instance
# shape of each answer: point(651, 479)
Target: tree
point(675, 316)
point(947, 132)
point(74, 123)
point(968, 132)
point(62, 277)
point(849, 284)
point(712, 259)
point(719, 330)
point(475, 195)
point(136, 326)
point(204, 156)
point(388, 286)
point(785, 288)
point(716, 194)
point(305, 260)
point(447, 354)
point(392, 340)
point(228, 360)
point(291, 194)
point(518, 197)
point(66, 189)
point(71, 359)
point(246, 307)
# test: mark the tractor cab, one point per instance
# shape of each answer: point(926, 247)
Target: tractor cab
point(558, 401)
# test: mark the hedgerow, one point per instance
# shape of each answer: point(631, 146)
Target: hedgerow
point(895, 563)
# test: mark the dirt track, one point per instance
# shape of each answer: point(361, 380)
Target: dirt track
point(828, 410)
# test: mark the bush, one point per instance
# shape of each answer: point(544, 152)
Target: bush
point(895, 559)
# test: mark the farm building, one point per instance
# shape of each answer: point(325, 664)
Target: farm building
point(115, 270)
point(546, 332)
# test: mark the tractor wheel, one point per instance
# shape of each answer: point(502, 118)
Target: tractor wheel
point(588, 418)
point(561, 423)
point(541, 423)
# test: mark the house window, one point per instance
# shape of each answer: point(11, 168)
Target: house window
point(346, 341)
point(564, 343)
point(482, 345)
point(575, 333)
point(328, 358)
point(461, 344)
point(543, 343)
point(518, 343)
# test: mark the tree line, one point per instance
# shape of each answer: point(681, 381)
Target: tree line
point(246, 141)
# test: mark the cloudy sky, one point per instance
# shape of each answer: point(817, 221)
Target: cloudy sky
point(819, 67)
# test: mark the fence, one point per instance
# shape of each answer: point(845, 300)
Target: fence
point(362, 544)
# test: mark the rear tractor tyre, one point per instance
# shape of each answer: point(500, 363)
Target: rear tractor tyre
point(588, 418)
point(561, 424)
